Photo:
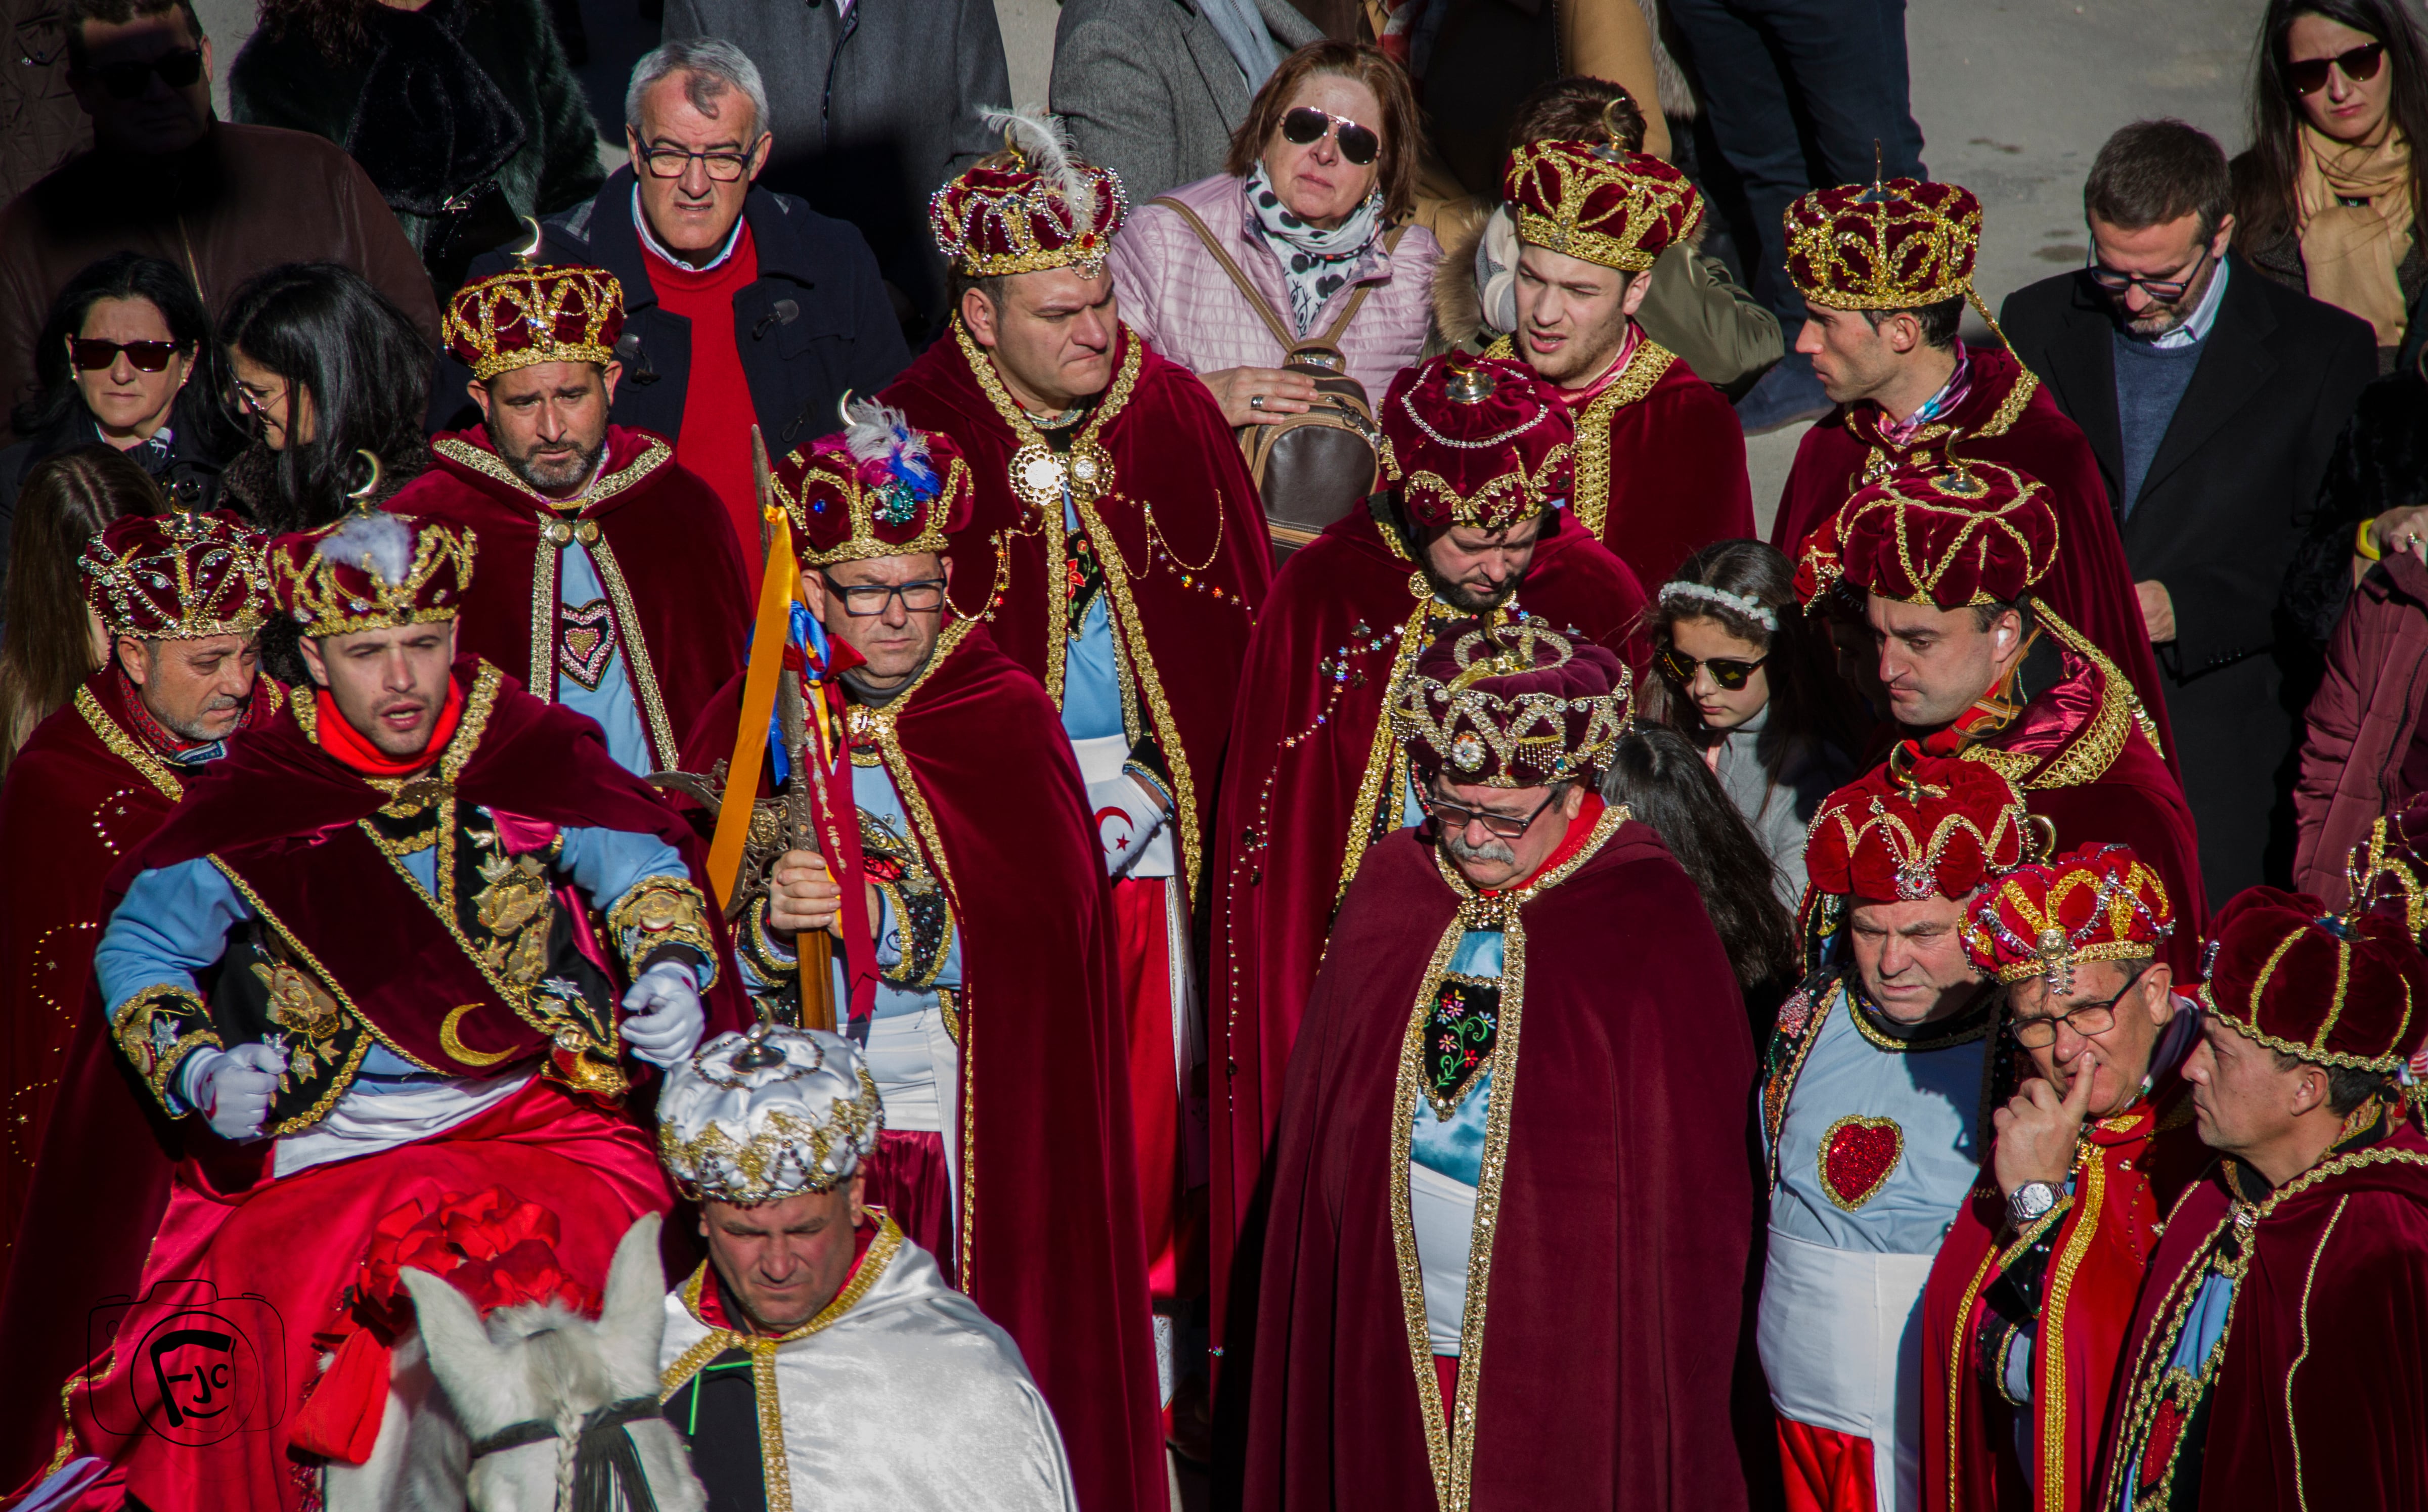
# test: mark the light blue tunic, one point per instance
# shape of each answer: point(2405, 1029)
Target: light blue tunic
point(1934, 1097)
point(1091, 673)
point(612, 702)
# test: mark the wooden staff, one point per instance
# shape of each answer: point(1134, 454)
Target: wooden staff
point(793, 713)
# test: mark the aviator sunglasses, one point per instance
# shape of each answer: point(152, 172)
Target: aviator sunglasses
point(177, 69)
point(1728, 672)
point(91, 353)
point(2309, 75)
point(1306, 125)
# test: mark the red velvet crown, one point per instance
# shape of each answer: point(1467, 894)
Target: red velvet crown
point(1916, 828)
point(881, 488)
point(1975, 534)
point(1621, 209)
point(371, 570)
point(1892, 246)
point(1034, 205)
point(2092, 903)
point(2349, 990)
point(177, 576)
point(1513, 707)
point(1476, 441)
point(532, 314)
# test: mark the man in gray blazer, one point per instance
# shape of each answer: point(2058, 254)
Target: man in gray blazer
point(1154, 88)
point(872, 104)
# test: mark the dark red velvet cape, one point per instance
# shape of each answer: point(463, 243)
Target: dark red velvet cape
point(1051, 1248)
point(2143, 1157)
point(2091, 583)
point(1675, 476)
point(1626, 1208)
point(2338, 1284)
point(1181, 510)
point(667, 544)
point(1302, 743)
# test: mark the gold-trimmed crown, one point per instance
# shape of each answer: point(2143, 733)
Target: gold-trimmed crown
point(1619, 209)
point(371, 570)
point(1512, 706)
point(1898, 245)
point(177, 576)
point(532, 314)
point(879, 488)
point(1034, 205)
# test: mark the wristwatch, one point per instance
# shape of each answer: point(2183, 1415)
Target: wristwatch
point(2029, 1202)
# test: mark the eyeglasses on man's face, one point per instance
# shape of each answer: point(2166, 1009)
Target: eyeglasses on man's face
point(1503, 826)
point(2359, 64)
point(178, 69)
point(724, 165)
point(2162, 290)
point(1304, 126)
point(866, 600)
point(2089, 1020)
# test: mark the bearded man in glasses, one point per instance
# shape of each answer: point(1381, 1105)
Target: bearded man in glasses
point(1521, 1062)
point(974, 941)
point(1481, 520)
point(2024, 1316)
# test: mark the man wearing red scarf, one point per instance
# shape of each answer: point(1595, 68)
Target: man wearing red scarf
point(181, 597)
point(2024, 1319)
point(374, 967)
point(985, 988)
point(1874, 1114)
point(1118, 552)
point(1944, 567)
point(1478, 530)
point(1660, 468)
point(2270, 1363)
point(1885, 270)
point(605, 584)
point(1495, 1278)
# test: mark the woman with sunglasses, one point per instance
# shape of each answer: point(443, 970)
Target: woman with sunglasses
point(1310, 213)
point(1745, 677)
point(119, 358)
point(2327, 198)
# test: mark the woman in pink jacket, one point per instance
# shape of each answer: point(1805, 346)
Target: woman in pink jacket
point(1310, 211)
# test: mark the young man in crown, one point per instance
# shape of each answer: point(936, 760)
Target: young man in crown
point(2271, 1353)
point(2024, 1314)
point(602, 586)
point(1941, 572)
point(1886, 270)
point(1118, 551)
point(1661, 468)
point(382, 969)
point(1874, 1110)
point(979, 975)
point(1500, 1276)
point(181, 597)
point(816, 1313)
point(1478, 530)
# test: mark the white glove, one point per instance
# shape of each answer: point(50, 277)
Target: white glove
point(231, 1088)
point(666, 1019)
point(1126, 819)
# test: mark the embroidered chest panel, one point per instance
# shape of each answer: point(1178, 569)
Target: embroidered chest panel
point(1460, 1034)
point(923, 915)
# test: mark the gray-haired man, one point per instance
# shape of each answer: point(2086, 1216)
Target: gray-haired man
point(742, 307)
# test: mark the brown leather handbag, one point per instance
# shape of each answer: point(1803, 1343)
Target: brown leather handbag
point(1310, 468)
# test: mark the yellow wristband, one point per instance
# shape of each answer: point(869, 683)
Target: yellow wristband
point(2364, 542)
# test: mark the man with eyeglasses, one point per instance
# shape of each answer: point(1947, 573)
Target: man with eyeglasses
point(2034, 1288)
point(1511, 1205)
point(610, 583)
point(1312, 777)
point(743, 308)
point(219, 201)
point(1874, 1117)
point(974, 939)
point(2213, 397)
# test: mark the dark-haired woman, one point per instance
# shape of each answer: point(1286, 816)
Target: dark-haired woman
point(464, 112)
point(125, 360)
point(1753, 684)
point(52, 640)
point(2327, 198)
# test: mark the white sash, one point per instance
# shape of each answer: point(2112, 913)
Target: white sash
point(1841, 1342)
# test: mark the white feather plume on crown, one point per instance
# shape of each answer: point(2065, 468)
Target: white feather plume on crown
point(876, 432)
point(1043, 141)
point(379, 543)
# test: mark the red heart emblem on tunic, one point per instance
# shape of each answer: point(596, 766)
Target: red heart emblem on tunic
point(2166, 1426)
point(1857, 1155)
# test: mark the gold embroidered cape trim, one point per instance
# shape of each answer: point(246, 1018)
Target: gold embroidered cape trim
point(125, 746)
point(2089, 751)
point(774, 1467)
point(1879, 463)
point(654, 454)
point(1646, 366)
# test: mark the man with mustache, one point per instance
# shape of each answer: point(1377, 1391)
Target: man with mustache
point(604, 586)
point(1520, 1065)
point(383, 970)
point(1480, 518)
point(180, 597)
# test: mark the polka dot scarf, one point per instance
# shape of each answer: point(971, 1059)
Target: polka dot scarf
point(1316, 264)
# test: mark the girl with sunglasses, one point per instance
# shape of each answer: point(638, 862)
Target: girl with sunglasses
point(1744, 675)
point(2327, 198)
point(119, 359)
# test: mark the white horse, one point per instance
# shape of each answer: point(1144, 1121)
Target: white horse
point(538, 1409)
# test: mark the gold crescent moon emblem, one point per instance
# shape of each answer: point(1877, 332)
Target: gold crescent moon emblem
point(453, 1045)
point(371, 484)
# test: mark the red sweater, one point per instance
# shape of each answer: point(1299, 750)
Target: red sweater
point(714, 441)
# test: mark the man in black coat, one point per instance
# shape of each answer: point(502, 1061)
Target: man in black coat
point(811, 319)
point(2212, 398)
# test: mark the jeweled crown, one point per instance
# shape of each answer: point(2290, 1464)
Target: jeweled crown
point(1034, 205)
point(1617, 208)
point(532, 314)
point(1514, 706)
point(1896, 245)
point(881, 488)
point(177, 576)
point(758, 1117)
point(371, 570)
